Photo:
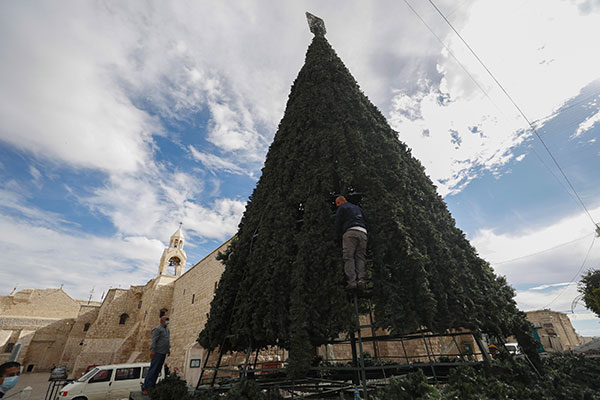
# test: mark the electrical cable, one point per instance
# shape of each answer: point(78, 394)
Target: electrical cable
point(563, 109)
point(518, 109)
point(576, 275)
point(540, 252)
point(451, 53)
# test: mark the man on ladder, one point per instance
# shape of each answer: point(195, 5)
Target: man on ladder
point(351, 225)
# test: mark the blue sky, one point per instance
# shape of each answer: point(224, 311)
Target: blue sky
point(119, 120)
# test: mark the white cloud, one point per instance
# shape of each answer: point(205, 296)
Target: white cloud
point(556, 299)
point(543, 287)
point(587, 125)
point(152, 204)
point(59, 99)
point(37, 256)
point(218, 222)
point(524, 60)
point(546, 255)
point(583, 316)
point(215, 163)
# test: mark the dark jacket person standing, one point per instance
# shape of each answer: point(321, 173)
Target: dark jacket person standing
point(350, 223)
point(159, 349)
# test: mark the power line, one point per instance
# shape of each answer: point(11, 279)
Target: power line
point(539, 252)
point(576, 275)
point(563, 109)
point(518, 109)
point(451, 53)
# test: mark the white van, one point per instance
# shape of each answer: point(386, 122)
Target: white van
point(108, 382)
point(513, 348)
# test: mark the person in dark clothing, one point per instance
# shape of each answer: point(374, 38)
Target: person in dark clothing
point(159, 350)
point(351, 225)
point(9, 376)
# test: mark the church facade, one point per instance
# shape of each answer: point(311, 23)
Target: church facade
point(54, 329)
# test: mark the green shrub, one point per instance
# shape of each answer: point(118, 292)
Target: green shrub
point(170, 388)
point(413, 386)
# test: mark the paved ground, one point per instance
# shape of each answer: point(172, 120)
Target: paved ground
point(37, 381)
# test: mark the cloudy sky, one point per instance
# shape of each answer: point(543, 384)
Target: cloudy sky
point(120, 119)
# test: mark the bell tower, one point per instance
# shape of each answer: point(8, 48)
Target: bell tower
point(172, 262)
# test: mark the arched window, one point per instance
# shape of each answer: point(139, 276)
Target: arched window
point(86, 327)
point(123, 319)
point(174, 261)
point(163, 311)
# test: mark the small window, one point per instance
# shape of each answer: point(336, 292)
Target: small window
point(102, 376)
point(124, 374)
point(193, 298)
point(163, 311)
point(195, 363)
point(86, 327)
point(9, 347)
point(139, 305)
point(123, 319)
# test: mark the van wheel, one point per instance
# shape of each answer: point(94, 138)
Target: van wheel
point(80, 398)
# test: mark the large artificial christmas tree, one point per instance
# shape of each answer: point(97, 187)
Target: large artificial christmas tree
point(283, 282)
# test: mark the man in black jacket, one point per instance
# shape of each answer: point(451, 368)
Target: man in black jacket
point(351, 225)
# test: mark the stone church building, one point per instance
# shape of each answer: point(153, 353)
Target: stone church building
point(54, 329)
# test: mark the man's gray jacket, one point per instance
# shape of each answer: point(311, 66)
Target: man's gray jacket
point(161, 340)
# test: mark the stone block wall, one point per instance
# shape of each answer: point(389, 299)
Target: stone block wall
point(74, 343)
point(555, 330)
point(46, 347)
point(41, 303)
point(192, 295)
point(102, 343)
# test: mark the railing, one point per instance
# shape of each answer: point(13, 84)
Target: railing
point(54, 388)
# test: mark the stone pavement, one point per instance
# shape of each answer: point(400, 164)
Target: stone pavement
point(38, 382)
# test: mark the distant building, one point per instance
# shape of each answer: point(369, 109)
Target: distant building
point(554, 330)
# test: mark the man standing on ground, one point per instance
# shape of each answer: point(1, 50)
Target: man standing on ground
point(351, 225)
point(9, 376)
point(159, 350)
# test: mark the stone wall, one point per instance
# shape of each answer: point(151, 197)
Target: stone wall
point(555, 330)
point(74, 343)
point(39, 319)
point(108, 341)
point(103, 340)
point(46, 347)
point(43, 303)
point(192, 295)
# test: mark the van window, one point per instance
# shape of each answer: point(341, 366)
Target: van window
point(86, 376)
point(123, 374)
point(145, 371)
point(102, 376)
